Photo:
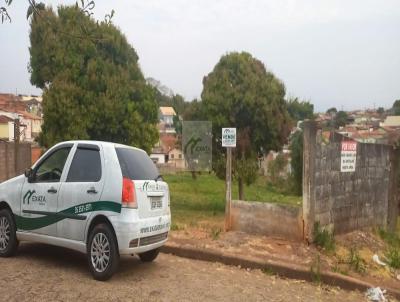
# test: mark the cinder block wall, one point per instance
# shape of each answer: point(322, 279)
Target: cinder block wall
point(343, 202)
point(8, 166)
point(267, 219)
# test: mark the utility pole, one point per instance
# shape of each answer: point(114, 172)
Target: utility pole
point(16, 144)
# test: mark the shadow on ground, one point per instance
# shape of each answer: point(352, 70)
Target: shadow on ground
point(66, 259)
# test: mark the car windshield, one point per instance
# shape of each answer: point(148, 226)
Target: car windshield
point(136, 164)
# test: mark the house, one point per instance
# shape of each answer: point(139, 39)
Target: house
point(30, 124)
point(166, 117)
point(391, 121)
point(160, 152)
point(33, 104)
point(176, 158)
point(158, 155)
point(11, 102)
point(6, 127)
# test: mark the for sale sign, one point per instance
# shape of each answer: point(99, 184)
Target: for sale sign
point(229, 137)
point(348, 156)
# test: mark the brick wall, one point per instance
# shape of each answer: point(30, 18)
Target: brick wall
point(9, 167)
point(343, 202)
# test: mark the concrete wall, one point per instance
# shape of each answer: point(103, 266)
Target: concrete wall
point(11, 166)
point(267, 219)
point(343, 202)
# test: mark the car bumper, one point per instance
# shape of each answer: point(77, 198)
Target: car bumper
point(137, 235)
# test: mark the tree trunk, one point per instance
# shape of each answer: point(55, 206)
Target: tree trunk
point(194, 175)
point(241, 189)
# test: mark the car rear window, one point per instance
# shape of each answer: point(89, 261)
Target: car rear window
point(136, 164)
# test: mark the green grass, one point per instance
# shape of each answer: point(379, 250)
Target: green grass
point(195, 200)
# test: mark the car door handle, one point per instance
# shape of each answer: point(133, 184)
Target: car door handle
point(52, 190)
point(92, 191)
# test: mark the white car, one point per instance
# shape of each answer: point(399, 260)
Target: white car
point(99, 198)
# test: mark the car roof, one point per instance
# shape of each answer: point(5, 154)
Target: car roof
point(103, 143)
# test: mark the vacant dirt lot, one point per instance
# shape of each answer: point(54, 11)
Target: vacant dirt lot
point(45, 273)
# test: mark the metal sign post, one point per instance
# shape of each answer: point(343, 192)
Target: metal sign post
point(228, 186)
point(228, 141)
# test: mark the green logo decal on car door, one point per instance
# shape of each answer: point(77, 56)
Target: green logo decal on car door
point(28, 196)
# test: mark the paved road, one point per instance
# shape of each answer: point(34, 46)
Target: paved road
point(46, 273)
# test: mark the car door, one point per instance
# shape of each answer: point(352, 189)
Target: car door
point(40, 193)
point(81, 190)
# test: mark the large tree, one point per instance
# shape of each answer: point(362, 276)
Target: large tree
point(300, 110)
point(296, 148)
point(396, 107)
point(341, 119)
point(92, 85)
point(241, 93)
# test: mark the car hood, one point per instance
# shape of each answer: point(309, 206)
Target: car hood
point(11, 189)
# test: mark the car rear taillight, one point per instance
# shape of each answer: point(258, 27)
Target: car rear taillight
point(128, 193)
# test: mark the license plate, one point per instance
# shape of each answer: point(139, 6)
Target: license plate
point(156, 203)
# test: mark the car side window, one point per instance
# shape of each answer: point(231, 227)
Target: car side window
point(86, 166)
point(51, 168)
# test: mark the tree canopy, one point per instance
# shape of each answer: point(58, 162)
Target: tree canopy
point(341, 119)
point(396, 107)
point(93, 87)
point(241, 93)
point(296, 148)
point(380, 110)
point(300, 110)
point(332, 111)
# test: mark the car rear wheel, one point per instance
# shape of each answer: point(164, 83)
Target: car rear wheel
point(102, 252)
point(8, 236)
point(149, 255)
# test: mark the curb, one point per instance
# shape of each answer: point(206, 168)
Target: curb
point(287, 270)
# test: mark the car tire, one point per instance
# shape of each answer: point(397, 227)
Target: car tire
point(149, 256)
point(8, 235)
point(102, 252)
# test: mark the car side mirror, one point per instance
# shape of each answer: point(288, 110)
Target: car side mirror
point(28, 174)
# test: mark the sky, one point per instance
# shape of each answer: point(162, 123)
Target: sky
point(332, 53)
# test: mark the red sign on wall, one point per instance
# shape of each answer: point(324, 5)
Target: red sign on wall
point(348, 156)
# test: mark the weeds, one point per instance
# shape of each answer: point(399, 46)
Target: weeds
point(392, 239)
point(393, 257)
point(393, 252)
point(268, 271)
point(323, 238)
point(355, 262)
point(176, 227)
point(315, 270)
point(215, 232)
point(337, 269)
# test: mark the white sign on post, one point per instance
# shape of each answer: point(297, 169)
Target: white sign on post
point(229, 137)
point(348, 156)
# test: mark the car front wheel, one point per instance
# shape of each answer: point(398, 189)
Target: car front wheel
point(102, 252)
point(8, 237)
